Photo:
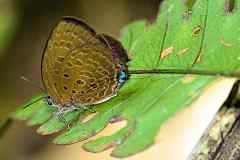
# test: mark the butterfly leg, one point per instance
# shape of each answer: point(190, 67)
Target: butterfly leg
point(85, 108)
point(60, 116)
point(61, 111)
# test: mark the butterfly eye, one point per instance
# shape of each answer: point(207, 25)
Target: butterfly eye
point(49, 100)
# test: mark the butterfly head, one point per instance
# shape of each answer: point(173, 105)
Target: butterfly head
point(121, 75)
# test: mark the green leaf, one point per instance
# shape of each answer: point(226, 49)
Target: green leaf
point(28, 110)
point(43, 114)
point(132, 32)
point(54, 125)
point(206, 38)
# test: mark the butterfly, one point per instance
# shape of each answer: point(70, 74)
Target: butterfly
point(79, 67)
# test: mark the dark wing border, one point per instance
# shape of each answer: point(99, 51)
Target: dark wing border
point(118, 51)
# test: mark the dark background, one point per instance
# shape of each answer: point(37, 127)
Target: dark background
point(24, 28)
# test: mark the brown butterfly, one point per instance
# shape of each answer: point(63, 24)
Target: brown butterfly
point(80, 67)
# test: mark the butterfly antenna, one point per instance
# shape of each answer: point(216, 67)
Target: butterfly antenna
point(186, 71)
point(33, 83)
point(29, 104)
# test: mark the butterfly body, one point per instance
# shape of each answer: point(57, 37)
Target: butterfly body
point(80, 67)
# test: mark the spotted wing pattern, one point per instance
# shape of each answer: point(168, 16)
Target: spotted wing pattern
point(77, 66)
point(90, 75)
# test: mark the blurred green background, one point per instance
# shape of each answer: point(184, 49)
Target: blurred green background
point(24, 28)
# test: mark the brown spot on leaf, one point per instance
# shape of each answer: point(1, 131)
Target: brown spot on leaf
point(183, 51)
point(116, 119)
point(187, 14)
point(230, 6)
point(166, 52)
point(188, 79)
point(199, 58)
point(224, 43)
point(196, 31)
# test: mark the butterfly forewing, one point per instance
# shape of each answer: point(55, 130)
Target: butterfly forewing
point(77, 66)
